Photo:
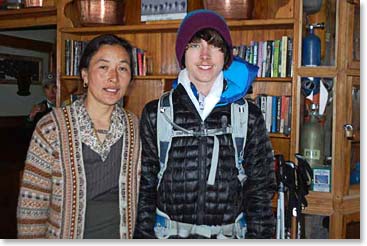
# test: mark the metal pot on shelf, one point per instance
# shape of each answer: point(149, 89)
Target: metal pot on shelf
point(231, 9)
point(33, 3)
point(101, 12)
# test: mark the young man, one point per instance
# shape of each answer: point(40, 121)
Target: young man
point(207, 161)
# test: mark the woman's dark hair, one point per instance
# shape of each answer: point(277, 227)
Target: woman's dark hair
point(212, 37)
point(95, 44)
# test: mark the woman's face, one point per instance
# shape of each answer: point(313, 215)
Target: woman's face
point(108, 75)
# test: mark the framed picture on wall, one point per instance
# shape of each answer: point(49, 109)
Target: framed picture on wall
point(15, 69)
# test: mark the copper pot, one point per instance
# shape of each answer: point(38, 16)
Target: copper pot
point(231, 9)
point(100, 12)
point(33, 3)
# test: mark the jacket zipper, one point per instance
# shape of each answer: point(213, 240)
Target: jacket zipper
point(202, 175)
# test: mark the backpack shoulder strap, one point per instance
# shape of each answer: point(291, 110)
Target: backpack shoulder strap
point(164, 130)
point(239, 121)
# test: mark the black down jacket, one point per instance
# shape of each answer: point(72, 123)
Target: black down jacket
point(184, 193)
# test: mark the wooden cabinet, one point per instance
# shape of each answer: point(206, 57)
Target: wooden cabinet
point(342, 203)
point(271, 20)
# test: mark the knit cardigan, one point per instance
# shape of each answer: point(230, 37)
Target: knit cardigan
point(52, 199)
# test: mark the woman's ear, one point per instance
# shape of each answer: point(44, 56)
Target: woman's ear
point(84, 75)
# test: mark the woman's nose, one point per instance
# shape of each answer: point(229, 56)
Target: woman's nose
point(112, 76)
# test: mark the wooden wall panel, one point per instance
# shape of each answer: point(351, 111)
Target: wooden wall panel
point(140, 92)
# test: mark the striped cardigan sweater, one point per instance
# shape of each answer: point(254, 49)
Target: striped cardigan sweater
point(52, 199)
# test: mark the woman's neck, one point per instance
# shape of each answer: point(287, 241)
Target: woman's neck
point(99, 114)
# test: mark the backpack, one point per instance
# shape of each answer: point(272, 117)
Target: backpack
point(167, 129)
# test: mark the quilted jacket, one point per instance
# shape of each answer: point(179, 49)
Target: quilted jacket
point(184, 193)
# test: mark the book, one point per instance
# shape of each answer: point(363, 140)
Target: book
point(255, 48)
point(288, 119)
point(140, 54)
point(289, 68)
point(260, 58)
point(275, 63)
point(269, 55)
point(268, 112)
point(77, 56)
point(283, 55)
point(283, 113)
point(264, 52)
point(67, 57)
point(135, 61)
point(279, 102)
point(274, 108)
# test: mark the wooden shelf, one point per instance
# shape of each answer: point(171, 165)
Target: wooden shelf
point(172, 77)
point(319, 203)
point(279, 135)
point(272, 79)
point(320, 71)
point(27, 17)
point(173, 26)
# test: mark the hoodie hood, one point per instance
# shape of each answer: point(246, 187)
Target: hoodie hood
point(239, 77)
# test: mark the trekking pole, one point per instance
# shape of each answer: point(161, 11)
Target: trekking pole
point(280, 213)
point(280, 228)
point(304, 175)
point(290, 182)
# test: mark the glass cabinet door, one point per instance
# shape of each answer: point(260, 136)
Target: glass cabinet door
point(353, 35)
point(352, 133)
point(318, 33)
point(316, 128)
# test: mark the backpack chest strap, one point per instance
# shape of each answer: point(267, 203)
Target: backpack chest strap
point(167, 129)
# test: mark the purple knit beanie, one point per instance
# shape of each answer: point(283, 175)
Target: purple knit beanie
point(196, 21)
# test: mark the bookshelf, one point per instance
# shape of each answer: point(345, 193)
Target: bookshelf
point(28, 17)
point(271, 20)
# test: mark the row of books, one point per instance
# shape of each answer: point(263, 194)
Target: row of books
point(273, 57)
point(73, 52)
point(142, 64)
point(277, 112)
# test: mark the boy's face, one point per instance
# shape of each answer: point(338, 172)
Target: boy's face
point(50, 92)
point(203, 62)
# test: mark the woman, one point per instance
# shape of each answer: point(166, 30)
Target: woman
point(81, 172)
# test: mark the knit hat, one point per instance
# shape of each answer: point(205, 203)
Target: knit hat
point(50, 78)
point(196, 21)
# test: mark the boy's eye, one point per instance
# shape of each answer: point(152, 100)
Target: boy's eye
point(193, 46)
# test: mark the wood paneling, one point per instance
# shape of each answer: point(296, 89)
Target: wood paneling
point(141, 91)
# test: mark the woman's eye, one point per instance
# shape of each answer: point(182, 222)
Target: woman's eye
point(123, 69)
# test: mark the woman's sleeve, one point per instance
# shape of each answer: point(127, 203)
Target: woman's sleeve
point(35, 191)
